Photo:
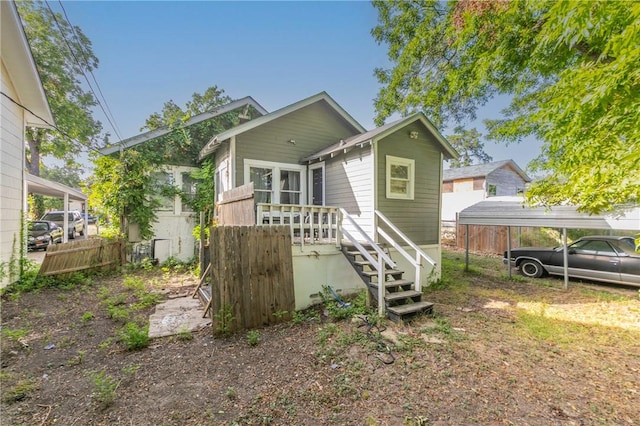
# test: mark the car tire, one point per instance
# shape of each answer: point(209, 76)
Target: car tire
point(72, 235)
point(531, 268)
point(82, 233)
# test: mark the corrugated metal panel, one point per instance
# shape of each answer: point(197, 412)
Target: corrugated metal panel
point(515, 213)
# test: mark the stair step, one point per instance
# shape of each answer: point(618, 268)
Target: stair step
point(392, 284)
point(410, 308)
point(357, 253)
point(399, 295)
point(204, 294)
point(386, 272)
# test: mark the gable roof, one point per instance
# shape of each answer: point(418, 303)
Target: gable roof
point(381, 132)
point(215, 142)
point(152, 134)
point(482, 170)
point(18, 60)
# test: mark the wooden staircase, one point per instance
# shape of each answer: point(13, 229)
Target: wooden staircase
point(401, 300)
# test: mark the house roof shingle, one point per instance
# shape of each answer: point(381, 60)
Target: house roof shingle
point(481, 170)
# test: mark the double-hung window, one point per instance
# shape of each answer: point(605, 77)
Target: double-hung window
point(400, 177)
point(275, 183)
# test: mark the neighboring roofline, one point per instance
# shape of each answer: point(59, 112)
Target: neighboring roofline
point(41, 186)
point(19, 62)
point(152, 134)
point(499, 164)
point(381, 132)
point(213, 144)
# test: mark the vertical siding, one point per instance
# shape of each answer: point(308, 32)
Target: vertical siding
point(349, 184)
point(419, 218)
point(313, 128)
point(507, 181)
point(11, 183)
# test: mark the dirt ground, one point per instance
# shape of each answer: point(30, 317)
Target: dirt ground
point(495, 352)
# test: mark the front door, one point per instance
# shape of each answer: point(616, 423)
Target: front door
point(317, 185)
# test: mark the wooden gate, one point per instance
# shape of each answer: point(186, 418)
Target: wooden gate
point(251, 277)
point(80, 255)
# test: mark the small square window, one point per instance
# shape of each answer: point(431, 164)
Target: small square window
point(492, 190)
point(400, 178)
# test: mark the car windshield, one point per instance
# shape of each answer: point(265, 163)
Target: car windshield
point(39, 226)
point(57, 217)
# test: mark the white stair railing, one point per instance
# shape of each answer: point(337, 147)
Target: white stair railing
point(416, 261)
point(378, 264)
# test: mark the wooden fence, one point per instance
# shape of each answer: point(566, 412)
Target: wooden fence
point(493, 239)
point(236, 207)
point(251, 277)
point(81, 255)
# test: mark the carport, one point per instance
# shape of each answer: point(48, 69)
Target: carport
point(39, 186)
point(510, 211)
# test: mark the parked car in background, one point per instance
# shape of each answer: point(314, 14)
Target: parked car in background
point(76, 223)
point(41, 234)
point(600, 258)
point(91, 219)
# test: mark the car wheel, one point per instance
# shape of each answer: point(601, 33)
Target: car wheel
point(72, 235)
point(82, 233)
point(531, 269)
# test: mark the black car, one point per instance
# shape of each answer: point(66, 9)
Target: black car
point(600, 258)
point(42, 234)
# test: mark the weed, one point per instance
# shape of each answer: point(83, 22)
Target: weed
point(223, 320)
point(341, 310)
point(133, 283)
point(130, 370)
point(253, 337)
point(118, 313)
point(146, 300)
point(184, 334)
point(104, 292)
point(87, 316)
point(19, 391)
point(104, 388)
point(14, 335)
point(300, 317)
point(104, 345)
point(134, 337)
point(231, 393)
point(78, 359)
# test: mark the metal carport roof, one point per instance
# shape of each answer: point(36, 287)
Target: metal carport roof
point(511, 211)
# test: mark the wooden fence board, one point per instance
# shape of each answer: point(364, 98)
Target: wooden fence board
point(237, 207)
point(252, 272)
point(81, 255)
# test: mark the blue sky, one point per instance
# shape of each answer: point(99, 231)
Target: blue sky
point(276, 52)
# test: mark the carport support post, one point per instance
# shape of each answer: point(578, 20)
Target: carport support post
point(65, 220)
point(509, 251)
point(466, 248)
point(565, 259)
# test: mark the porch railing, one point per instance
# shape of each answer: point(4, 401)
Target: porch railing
point(309, 225)
point(419, 254)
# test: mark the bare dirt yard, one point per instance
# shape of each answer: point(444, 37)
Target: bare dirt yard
point(494, 352)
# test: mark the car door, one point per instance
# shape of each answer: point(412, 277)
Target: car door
point(594, 259)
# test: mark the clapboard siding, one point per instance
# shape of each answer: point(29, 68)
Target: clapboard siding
point(350, 185)
point(507, 181)
point(11, 187)
point(313, 128)
point(419, 218)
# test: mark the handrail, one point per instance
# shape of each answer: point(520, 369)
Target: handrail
point(379, 265)
point(416, 263)
point(309, 224)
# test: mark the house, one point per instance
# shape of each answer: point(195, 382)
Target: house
point(313, 153)
point(23, 104)
point(173, 231)
point(465, 186)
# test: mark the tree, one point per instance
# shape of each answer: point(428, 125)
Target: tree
point(61, 53)
point(469, 146)
point(569, 66)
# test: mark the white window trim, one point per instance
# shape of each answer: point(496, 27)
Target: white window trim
point(411, 164)
point(312, 167)
point(277, 167)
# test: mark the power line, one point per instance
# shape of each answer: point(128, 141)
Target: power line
point(81, 68)
point(49, 124)
point(75, 34)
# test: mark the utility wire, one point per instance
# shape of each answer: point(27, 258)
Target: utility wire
point(72, 139)
point(81, 68)
point(86, 60)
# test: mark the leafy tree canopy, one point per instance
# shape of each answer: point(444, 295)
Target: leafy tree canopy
point(61, 53)
point(571, 68)
point(469, 146)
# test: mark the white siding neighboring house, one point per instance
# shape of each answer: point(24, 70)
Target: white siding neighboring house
point(465, 186)
point(23, 104)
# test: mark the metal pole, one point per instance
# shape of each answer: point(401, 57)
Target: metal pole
point(509, 251)
point(565, 258)
point(466, 247)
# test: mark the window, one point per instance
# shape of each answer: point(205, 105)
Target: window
point(189, 186)
point(492, 190)
point(400, 177)
point(275, 183)
point(162, 180)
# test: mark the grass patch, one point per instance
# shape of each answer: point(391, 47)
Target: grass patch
point(20, 391)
